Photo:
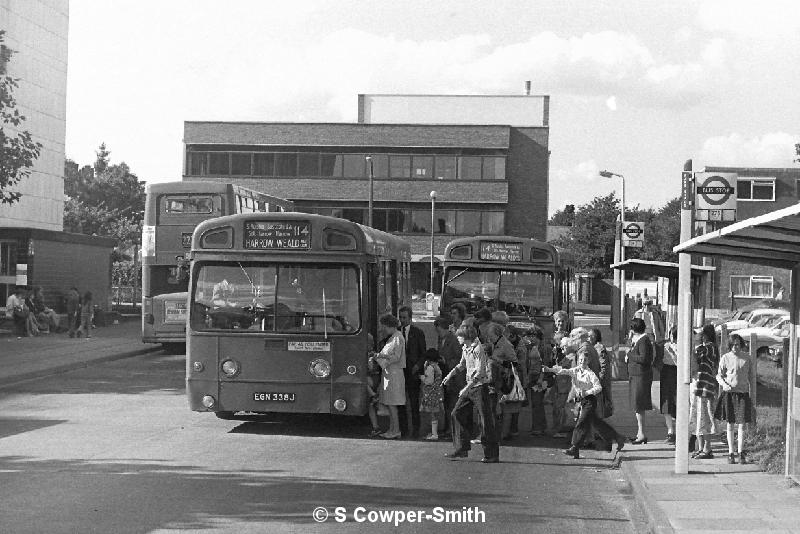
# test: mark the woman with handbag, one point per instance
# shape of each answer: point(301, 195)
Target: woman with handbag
point(586, 386)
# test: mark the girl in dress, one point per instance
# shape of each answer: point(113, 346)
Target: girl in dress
point(432, 394)
point(734, 406)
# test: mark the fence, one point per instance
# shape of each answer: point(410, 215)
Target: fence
point(126, 296)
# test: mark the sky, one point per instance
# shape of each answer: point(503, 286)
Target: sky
point(636, 86)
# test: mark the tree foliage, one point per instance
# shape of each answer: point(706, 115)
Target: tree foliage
point(591, 237)
point(563, 217)
point(104, 199)
point(18, 150)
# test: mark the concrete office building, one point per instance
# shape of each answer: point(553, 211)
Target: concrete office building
point(36, 31)
point(33, 248)
point(485, 156)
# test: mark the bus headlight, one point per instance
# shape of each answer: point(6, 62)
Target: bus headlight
point(352, 369)
point(198, 367)
point(209, 401)
point(230, 368)
point(320, 368)
point(340, 404)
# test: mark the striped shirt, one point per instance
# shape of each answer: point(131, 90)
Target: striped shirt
point(707, 358)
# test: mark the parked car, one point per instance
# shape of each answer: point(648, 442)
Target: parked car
point(752, 319)
point(774, 330)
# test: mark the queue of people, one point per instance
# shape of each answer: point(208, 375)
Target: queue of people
point(32, 317)
point(472, 386)
point(719, 391)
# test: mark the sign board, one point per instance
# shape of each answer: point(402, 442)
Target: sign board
point(499, 251)
point(277, 235)
point(175, 312)
point(633, 234)
point(309, 346)
point(687, 193)
point(715, 196)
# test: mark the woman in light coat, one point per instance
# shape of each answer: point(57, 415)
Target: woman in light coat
point(392, 359)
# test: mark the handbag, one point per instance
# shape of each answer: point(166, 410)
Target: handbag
point(504, 378)
point(517, 393)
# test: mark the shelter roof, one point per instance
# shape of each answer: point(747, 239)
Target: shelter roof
point(771, 239)
point(665, 269)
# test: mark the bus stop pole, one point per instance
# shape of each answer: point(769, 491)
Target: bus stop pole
point(684, 326)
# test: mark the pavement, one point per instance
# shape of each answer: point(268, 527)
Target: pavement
point(713, 497)
point(34, 357)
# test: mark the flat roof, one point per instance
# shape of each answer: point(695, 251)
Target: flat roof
point(666, 269)
point(772, 239)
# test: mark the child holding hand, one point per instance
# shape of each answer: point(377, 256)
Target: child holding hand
point(432, 394)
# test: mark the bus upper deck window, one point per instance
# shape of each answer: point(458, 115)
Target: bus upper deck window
point(464, 252)
point(184, 205)
point(336, 240)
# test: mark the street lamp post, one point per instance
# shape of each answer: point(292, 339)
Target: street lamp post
point(433, 225)
point(371, 181)
point(622, 296)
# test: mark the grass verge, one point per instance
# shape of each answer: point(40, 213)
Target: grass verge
point(766, 440)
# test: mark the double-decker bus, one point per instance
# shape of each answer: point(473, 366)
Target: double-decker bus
point(527, 279)
point(283, 311)
point(172, 211)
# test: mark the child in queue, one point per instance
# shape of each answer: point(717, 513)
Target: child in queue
point(734, 406)
point(431, 398)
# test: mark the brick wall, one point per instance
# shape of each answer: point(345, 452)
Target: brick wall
point(527, 172)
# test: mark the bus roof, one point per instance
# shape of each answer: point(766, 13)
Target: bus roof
point(369, 240)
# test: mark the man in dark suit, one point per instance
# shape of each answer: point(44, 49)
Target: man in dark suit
point(415, 359)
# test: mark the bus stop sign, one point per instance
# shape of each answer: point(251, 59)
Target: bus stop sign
point(715, 196)
point(633, 234)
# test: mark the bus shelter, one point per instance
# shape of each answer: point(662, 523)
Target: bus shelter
point(773, 240)
point(669, 271)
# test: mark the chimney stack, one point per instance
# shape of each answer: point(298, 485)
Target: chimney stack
point(528, 88)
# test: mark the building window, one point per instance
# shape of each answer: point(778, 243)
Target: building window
point(264, 164)
point(445, 221)
point(469, 168)
point(756, 189)
point(219, 163)
point(420, 222)
point(353, 166)
point(400, 167)
point(494, 168)
point(308, 164)
point(380, 166)
point(493, 223)
point(468, 222)
point(445, 167)
point(285, 164)
point(240, 163)
point(198, 163)
point(422, 168)
point(356, 215)
point(8, 259)
point(751, 286)
point(397, 220)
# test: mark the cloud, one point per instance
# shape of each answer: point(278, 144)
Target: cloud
point(765, 20)
point(769, 150)
point(611, 103)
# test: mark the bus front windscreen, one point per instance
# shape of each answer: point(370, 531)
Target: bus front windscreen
point(280, 298)
point(518, 293)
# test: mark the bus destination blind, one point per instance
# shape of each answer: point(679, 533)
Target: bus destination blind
point(497, 251)
point(277, 235)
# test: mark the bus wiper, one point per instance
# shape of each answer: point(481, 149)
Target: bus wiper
point(456, 276)
point(253, 288)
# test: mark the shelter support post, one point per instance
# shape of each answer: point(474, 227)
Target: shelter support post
point(792, 451)
point(684, 330)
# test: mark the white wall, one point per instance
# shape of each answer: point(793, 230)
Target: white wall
point(509, 110)
point(37, 32)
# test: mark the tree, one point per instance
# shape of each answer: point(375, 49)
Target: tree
point(18, 150)
point(104, 199)
point(591, 238)
point(563, 217)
